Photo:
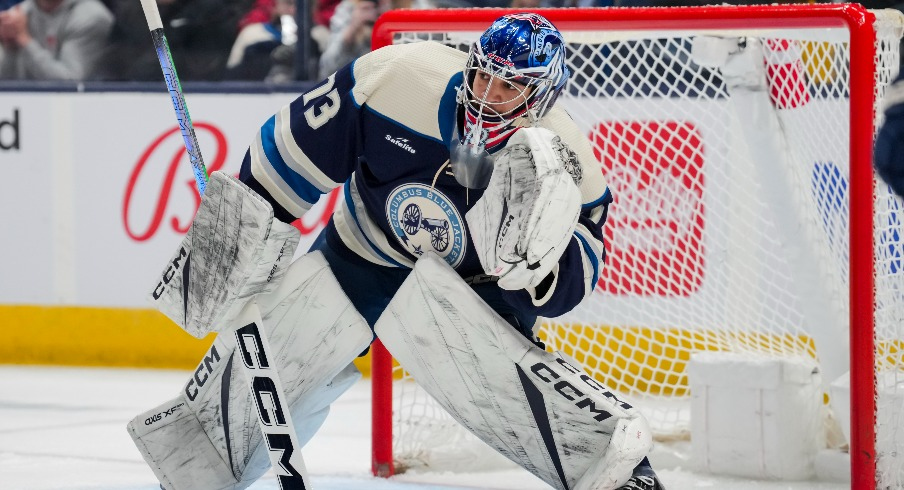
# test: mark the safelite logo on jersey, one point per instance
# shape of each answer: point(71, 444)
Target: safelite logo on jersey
point(655, 227)
point(402, 143)
point(424, 219)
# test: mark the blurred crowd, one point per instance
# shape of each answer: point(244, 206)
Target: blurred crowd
point(215, 40)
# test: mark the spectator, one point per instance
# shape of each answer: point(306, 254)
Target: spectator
point(250, 58)
point(200, 34)
point(53, 39)
point(259, 13)
point(274, 62)
point(350, 30)
point(321, 13)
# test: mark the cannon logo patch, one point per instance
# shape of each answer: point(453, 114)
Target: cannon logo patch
point(424, 219)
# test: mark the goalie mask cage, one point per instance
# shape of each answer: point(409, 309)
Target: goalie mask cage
point(746, 219)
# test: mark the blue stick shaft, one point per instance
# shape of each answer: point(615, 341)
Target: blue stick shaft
point(182, 115)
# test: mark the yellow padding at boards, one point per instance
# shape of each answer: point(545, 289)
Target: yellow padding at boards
point(649, 360)
point(110, 337)
point(654, 361)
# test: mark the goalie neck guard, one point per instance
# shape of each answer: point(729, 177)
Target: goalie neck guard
point(523, 51)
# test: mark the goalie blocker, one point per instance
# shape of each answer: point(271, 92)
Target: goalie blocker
point(538, 409)
point(234, 250)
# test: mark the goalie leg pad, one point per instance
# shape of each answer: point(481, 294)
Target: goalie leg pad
point(315, 332)
point(534, 407)
point(161, 433)
point(234, 250)
point(176, 445)
point(173, 441)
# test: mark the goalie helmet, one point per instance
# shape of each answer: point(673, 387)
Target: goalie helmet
point(523, 51)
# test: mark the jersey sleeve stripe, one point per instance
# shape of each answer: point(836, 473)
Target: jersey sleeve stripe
point(596, 214)
point(297, 159)
point(302, 187)
point(595, 245)
point(590, 253)
point(596, 202)
point(352, 238)
point(279, 189)
point(588, 273)
point(355, 88)
point(348, 208)
point(372, 233)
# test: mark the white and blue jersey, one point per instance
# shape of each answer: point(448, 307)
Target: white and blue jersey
point(381, 127)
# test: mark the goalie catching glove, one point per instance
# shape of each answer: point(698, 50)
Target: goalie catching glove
point(527, 216)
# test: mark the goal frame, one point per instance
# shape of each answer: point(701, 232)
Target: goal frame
point(860, 24)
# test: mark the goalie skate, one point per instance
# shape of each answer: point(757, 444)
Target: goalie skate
point(644, 478)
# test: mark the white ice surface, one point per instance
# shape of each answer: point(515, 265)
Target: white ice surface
point(64, 428)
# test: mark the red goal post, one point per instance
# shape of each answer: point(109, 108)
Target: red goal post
point(863, 86)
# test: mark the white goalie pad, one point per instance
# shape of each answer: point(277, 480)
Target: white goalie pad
point(525, 219)
point(234, 250)
point(209, 438)
point(536, 408)
point(174, 442)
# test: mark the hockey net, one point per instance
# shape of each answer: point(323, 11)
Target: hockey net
point(737, 226)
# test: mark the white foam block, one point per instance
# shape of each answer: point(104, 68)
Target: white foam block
point(889, 418)
point(840, 398)
point(754, 416)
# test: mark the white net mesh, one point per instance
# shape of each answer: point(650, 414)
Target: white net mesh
point(729, 230)
point(889, 315)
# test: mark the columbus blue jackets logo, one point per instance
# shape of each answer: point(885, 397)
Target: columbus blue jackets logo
point(424, 219)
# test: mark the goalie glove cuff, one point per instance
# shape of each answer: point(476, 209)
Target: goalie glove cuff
point(541, 293)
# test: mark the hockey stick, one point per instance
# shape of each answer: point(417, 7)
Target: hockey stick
point(263, 378)
point(155, 24)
